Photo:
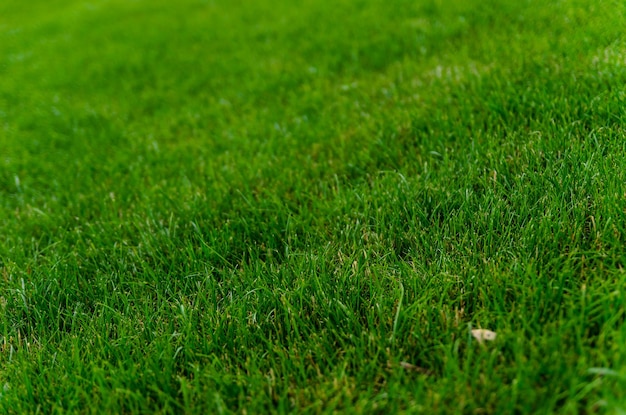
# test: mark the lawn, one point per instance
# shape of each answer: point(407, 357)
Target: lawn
point(271, 206)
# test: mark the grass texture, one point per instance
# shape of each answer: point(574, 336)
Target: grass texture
point(306, 207)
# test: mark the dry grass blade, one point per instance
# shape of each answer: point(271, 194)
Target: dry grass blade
point(410, 367)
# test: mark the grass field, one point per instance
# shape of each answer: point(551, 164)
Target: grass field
point(277, 206)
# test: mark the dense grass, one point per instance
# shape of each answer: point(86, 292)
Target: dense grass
point(274, 206)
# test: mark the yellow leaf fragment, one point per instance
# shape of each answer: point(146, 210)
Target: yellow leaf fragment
point(483, 334)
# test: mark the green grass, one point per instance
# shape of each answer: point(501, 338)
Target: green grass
point(272, 206)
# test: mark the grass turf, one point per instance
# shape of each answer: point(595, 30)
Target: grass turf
point(226, 206)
